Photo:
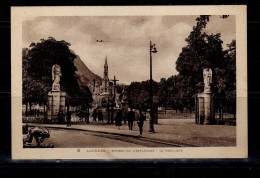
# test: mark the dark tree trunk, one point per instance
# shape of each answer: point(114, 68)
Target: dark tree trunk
point(30, 105)
point(44, 112)
point(26, 110)
point(220, 112)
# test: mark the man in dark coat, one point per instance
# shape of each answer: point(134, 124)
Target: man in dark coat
point(68, 118)
point(118, 118)
point(86, 116)
point(141, 122)
point(100, 116)
point(131, 118)
point(60, 117)
point(94, 114)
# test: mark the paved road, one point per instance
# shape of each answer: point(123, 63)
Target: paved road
point(62, 138)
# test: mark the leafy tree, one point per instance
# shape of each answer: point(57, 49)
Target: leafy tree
point(205, 51)
point(44, 55)
point(202, 51)
point(138, 94)
point(168, 92)
point(33, 89)
point(37, 75)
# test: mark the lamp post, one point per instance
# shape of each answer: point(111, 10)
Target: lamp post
point(152, 50)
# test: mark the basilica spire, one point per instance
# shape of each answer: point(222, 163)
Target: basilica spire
point(105, 80)
point(105, 62)
point(106, 69)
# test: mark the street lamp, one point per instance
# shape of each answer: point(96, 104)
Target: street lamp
point(152, 50)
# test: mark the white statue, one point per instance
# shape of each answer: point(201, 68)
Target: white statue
point(56, 74)
point(207, 77)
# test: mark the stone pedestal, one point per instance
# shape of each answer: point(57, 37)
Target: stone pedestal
point(208, 106)
point(62, 103)
point(56, 103)
point(201, 107)
point(205, 107)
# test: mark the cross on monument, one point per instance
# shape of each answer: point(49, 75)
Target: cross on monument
point(113, 102)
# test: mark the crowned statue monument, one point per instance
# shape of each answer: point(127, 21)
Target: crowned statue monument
point(207, 76)
point(205, 101)
point(56, 98)
point(56, 74)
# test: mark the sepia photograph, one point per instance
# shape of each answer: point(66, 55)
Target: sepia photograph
point(129, 83)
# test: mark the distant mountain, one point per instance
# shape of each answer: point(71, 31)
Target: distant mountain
point(84, 72)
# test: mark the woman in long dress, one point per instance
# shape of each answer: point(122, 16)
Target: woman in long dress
point(118, 118)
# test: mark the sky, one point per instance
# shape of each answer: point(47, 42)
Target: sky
point(126, 41)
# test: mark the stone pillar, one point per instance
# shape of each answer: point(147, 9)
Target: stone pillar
point(62, 104)
point(49, 106)
point(207, 105)
point(201, 108)
point(207, 76)
point(55, 105)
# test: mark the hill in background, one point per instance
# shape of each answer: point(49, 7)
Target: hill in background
point(85, 74)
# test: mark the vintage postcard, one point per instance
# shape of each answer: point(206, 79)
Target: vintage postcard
point(145, 82)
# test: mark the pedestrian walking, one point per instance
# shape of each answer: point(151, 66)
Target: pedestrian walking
point(87, 117)
point(60, 117)
point(140, 122)
point(118, 118)
point(94, 114)
point(100, 116)
point(124, 116)
point(131, 118)
point(68, 118)
point(80, 115)
point(108, 115)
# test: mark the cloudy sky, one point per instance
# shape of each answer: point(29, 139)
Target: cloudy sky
point(126, 41)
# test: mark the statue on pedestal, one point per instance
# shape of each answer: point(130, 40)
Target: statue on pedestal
point(56, 98)
point(56, 74)
point(207, 76)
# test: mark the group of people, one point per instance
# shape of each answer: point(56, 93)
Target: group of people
point(120, 116)
point(68, 117)
point(83, 114)
point(98, 115)
point(130, 118)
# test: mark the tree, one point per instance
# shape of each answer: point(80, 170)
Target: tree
point(33, 89)
point(133, 94)
point(44, 55)
point(168, 92)
point(37, 75)
point(137, 93)
point(204, 51)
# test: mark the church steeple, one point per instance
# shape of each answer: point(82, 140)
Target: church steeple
point(105, 81)
point(105, 62)
point(106, 69)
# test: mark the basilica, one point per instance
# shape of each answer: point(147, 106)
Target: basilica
point(102, 92)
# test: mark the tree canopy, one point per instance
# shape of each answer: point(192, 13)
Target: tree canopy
point(37, 71)
point(205, 51)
